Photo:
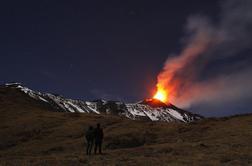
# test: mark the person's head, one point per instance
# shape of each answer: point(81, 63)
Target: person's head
point(98, 125)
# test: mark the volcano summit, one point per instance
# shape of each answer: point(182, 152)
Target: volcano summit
point(148, 109)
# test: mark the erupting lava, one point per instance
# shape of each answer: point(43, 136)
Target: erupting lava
point(161, 95)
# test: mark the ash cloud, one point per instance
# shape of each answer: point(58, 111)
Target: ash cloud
point(215, 65)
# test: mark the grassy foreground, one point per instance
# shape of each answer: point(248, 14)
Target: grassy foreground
point(31, 134)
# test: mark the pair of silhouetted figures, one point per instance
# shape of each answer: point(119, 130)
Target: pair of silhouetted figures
point(94, 136)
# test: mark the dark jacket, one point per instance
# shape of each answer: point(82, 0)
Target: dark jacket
point(98, 134)
point(90, 135)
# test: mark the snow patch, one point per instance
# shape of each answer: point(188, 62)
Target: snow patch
point(76, 107)
point(92, 106)
point(176, 115)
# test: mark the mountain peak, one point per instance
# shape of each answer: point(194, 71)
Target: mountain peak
point(13, 84)
point(155, 103)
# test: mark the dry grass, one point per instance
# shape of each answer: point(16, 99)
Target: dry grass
point(30, 134)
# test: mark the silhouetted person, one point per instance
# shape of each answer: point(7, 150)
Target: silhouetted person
point(90, 139)
point(98, 138)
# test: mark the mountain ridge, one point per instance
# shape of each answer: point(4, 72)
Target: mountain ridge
point(147, 109)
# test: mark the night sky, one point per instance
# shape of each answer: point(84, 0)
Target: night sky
point(96, 49)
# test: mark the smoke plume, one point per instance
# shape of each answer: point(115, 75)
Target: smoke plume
point(215, 64)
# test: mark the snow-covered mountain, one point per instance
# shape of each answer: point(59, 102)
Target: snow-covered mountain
point(148, 109)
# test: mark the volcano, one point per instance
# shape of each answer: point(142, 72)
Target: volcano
point(155, 103)
point(147, 109)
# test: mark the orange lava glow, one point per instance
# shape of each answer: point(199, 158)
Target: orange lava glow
point(161, 95)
